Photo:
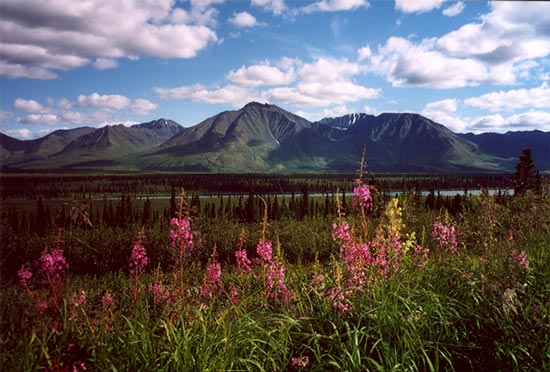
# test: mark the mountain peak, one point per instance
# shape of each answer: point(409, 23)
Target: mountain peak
point(255, 104)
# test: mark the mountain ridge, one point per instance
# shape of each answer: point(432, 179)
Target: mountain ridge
point(261, 137)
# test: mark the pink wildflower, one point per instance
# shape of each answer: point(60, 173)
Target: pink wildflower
point(276, 282)
point(300, 362)
point(318, 282)
point(138, 259)
point(264, 250)
point(24, 276)
point(340, 232)
point(445, 237)
point(181, 236)
point(212, 280)
point(107, 301)
point(361, 199)
point(340, 299)
point(53, 264)
point(162, 294)
point(520, 258)
point(79, 299)
point(243, 263)
point(234, 296)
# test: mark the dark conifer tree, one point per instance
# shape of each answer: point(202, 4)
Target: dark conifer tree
point(526, 176)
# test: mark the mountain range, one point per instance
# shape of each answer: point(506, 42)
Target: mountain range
point(265, 138)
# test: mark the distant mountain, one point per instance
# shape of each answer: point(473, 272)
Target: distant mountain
point(232, 141)
point(266, 138)
point(510, 144)
point(91, 146)
point(14, 150)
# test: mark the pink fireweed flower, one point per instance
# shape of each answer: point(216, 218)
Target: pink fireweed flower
point(212, 280)
point(318, 282)
point(107, 301)
point(24, 275)
point(234, 296)
point(276, 282)
point(520, 258)
point(340, 299)
point(300, 362)
point(243, 263)
point(341, 232)
point(138, 259)
point(361, 199)
point(181, 236)
point(445, 237)
point(79, 299)
point(162, 294)
point(53, 264)
point(264, 250)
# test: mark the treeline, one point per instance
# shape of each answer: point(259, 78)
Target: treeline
point(126, 212)
point(82, 186)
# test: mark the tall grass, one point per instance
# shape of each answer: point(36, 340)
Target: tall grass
point(477, 308)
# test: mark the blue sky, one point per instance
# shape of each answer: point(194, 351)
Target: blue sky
point(472, 66)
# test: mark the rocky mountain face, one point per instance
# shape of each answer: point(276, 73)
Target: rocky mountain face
point(266, 138)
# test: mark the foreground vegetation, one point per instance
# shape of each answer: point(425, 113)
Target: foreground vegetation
point(373, 284)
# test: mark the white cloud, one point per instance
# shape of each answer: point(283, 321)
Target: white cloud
point(143, 107)
point(324, 82)
point(39, 38)
point(277, 7)
point(412, 65)
point(105, 63)
point(417, 6)
point(107, 102)
point(513, 99)
point(261, 75)
point(29, 106)
point(511, 32)
point(17, 70)
point(525, 121)
point(454, 10)
point(334, 6)
point(364, 53)
point(48, 119)
point(233, 94)
point(243, 19)
point(449, 105)
point(500, 49)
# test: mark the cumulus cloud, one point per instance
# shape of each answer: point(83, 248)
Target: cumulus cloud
point(87, 109)
point(449, 105)
point(364, 53)
point(499, 49)
point(408, 6)
point(39, 38)
point(510, 32)
point(513, 99)
point(143, 106)
point(324, 82)
point(420, 65)
point(106, 102)
point(48, 119)
point(277, 7)
point(105, 63)
point(524, 121)
point(454, 10)
point(334, 6)
point(262, 75)
point(29, 106)
point(243, 19)
point(232, 94)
